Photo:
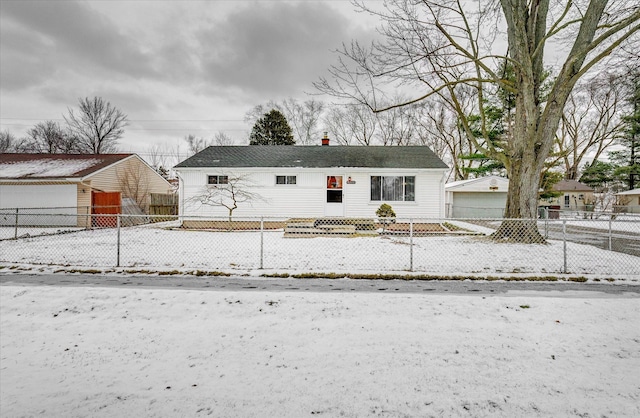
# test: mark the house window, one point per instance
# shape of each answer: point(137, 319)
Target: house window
point(393, 188)
point(215, 180)
point(286, 179)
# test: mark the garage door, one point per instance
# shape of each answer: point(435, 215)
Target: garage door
point(38, 204)
point(478, 205)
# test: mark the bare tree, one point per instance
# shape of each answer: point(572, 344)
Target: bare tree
point(156, 156)
point(97, 125)
point(49, 138)
point(303, 117)
point(435, 45)
point(435, 129)
point(160, 159)
point(196, 144)
point(133, 180)
point(339, 126)
point(230, 191)
point(590, 123)
point(7, 142)
point(397, 126)
point(221, 139)
point(352, 125)
point(258, 111)
point(441, 131)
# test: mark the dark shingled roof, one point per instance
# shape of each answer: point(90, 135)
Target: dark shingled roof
point(315, 157)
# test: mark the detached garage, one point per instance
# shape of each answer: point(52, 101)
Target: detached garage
point(62, 197)
point(484, 197)
point(45, 189)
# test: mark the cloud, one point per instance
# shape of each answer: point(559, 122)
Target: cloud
point(166, 59)
point(273, 48)
point(42, 37)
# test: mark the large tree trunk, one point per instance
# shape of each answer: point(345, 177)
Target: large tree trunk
point(536, 122)
point(521, 224)
point(521, 210)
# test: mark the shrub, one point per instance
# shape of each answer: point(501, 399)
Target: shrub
point(385, 212)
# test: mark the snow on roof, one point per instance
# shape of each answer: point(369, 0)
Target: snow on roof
point(32, 166)
point(53, 168)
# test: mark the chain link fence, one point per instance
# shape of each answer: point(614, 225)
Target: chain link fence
point(608, 246)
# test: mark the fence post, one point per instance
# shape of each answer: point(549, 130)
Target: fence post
point(546, 222)
point(15, 232)
point(564, 244)
point(610, 231)
point(261, 242)
point(118, 240)
point(410, 244)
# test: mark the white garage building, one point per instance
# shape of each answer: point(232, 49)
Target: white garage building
point(484, 197)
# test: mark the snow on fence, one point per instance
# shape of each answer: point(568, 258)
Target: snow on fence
point(607, 247)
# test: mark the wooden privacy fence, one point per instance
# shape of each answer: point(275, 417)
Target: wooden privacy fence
point(163, 204)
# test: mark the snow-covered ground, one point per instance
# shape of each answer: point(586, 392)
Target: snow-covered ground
point(153, 248)
point(106, 352)
point(9, 232)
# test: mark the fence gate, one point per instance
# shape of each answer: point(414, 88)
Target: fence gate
point(105, 203)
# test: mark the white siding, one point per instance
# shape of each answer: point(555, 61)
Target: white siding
point(429, 194)
point(307, 197)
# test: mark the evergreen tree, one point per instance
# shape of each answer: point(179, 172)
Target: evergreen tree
point(550, 179)
point(271, 129)
point(491, 127)
point(601, 176)
point(628, 158)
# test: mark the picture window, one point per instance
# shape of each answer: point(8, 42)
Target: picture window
point(393, 188)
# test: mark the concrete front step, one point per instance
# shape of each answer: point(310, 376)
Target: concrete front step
point(326, 230)
point(315, 227)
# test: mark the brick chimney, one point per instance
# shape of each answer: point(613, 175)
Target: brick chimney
point(325, 140)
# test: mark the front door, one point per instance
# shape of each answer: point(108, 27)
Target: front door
point(334, 205)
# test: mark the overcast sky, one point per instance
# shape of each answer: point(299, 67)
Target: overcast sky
point(174, 67)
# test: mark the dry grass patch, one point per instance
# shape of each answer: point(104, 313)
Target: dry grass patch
point(232, 226)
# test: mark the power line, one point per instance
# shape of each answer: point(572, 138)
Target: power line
point(148, 129)
point(141, 120)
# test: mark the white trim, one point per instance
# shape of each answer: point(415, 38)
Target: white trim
point(460, 184)
point(632, 192)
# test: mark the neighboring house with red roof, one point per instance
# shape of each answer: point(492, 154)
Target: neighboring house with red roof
point(73, 184)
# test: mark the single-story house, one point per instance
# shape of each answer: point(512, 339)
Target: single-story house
point(312, 181)
point(483, 197)
point(628, 202)
point(73, 184)
point(574, 196)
